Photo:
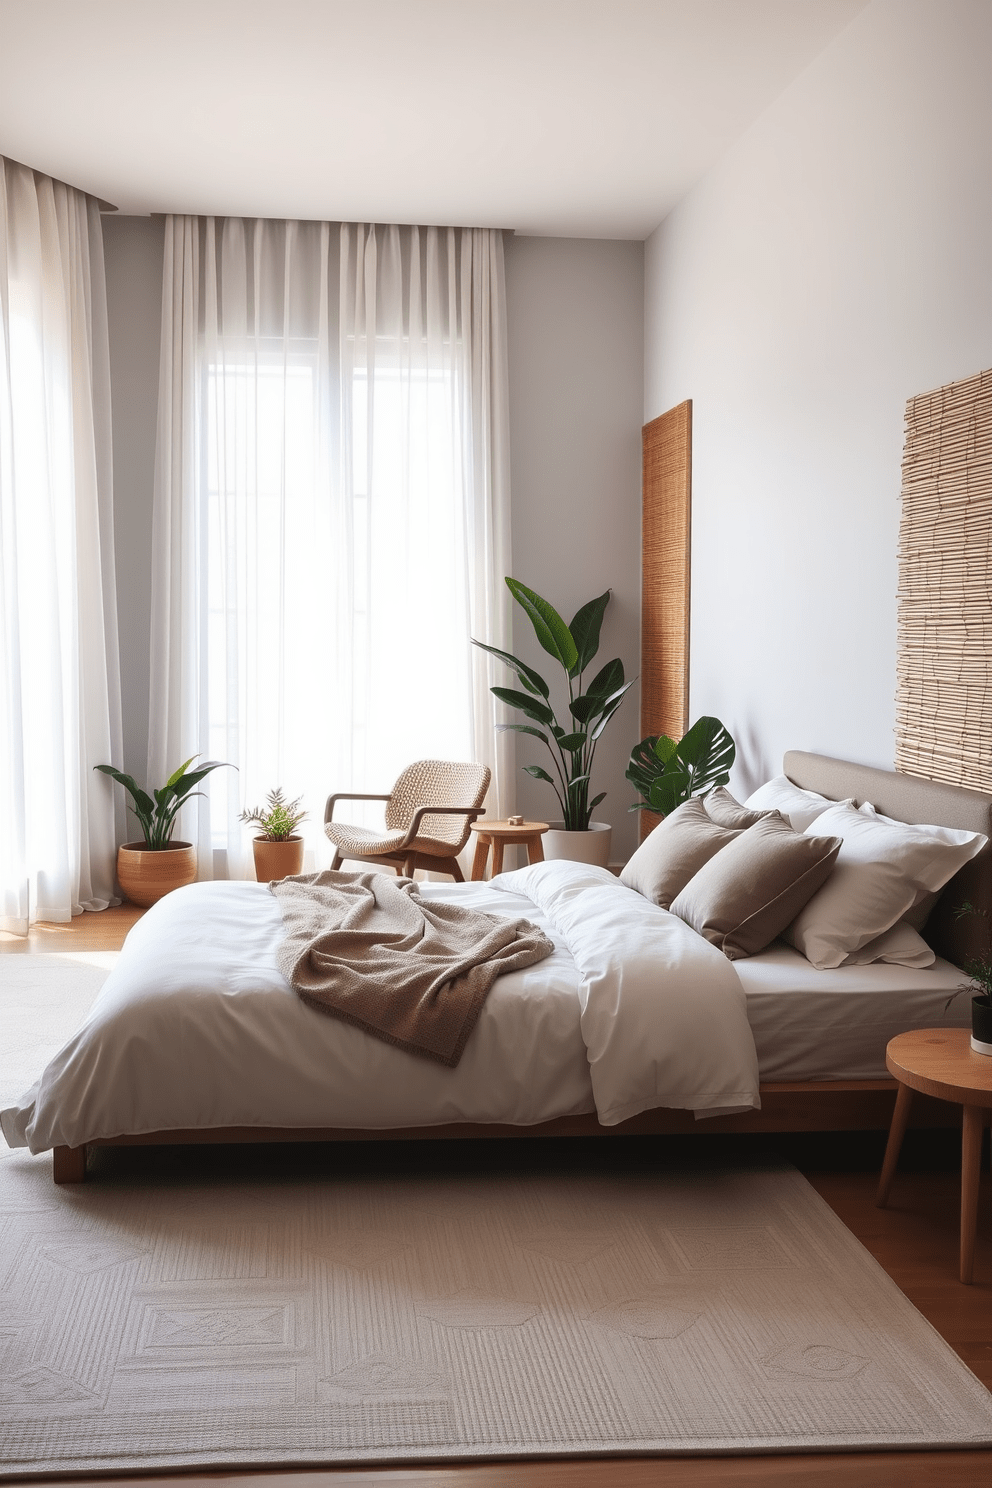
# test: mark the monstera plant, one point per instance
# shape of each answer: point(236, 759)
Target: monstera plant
point(665, 773)
point(588, 707)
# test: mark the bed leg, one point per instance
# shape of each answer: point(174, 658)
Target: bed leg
point(69, 1164)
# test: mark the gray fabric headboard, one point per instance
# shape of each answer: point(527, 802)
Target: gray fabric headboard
point(917, 801)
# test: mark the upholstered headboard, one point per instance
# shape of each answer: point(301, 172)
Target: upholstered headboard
point(908, 799)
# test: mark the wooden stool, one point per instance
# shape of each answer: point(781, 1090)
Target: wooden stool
point(941, 1062)
point(498, 833)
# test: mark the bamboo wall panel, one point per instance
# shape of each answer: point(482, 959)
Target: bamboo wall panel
point(665, 533)
point(943, 673)
point(666, 503)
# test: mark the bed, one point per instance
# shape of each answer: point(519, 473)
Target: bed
point(197, 1038)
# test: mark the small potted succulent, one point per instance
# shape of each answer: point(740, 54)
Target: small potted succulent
point(149, 870)
point(978, 970)
point(277, 849)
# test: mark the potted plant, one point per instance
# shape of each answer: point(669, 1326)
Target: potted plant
point(571, 745)
point(978, 970)
point(665, 773)
point(150, 869)
point(277, 850)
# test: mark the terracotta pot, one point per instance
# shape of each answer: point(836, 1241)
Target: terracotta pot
point(579, 847)
point(147, 876)
point(282, 859)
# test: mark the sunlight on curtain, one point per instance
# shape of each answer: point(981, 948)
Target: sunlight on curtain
point(59, 677)
point(330, 519)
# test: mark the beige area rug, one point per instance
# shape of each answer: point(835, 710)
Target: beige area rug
point(293, 1306)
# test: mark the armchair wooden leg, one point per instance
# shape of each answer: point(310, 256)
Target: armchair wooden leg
point(337, 860)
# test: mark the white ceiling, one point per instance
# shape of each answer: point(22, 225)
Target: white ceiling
point(572, 117)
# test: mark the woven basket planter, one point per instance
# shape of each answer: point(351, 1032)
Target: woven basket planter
point(146, 876)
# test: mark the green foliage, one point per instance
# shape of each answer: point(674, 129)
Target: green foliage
point(278, 819)
point(571, 748)
point(157, 812)
point(665, 773)
point(978, 969)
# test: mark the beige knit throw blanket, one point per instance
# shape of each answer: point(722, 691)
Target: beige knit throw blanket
point(367, 948)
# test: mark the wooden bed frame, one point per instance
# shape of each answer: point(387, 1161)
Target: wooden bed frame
point(800, 1106)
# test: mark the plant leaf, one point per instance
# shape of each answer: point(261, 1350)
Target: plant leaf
point(538, 773)
point(607, 680)
point(523, 728)
point(530, 706)
point(596, 800)
point(584, 629)
point(142, 801)
point(707, 751)
point(532, 680)
point(178, 774)
point(550, 629)
point(571, 742)
point(665, 748)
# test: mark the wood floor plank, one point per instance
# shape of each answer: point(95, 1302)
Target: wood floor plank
point(97, 930)
point(915, 1241)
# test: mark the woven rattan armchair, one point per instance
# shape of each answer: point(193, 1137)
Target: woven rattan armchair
point(429, 813)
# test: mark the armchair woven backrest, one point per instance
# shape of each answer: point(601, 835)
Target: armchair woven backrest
point(438, 783)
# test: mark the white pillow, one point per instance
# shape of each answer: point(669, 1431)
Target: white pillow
point(799, 806)
point(918, 915)
point(883, 868)
point(900, 946)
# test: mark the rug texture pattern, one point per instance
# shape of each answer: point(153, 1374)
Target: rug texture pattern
point(166, 1325)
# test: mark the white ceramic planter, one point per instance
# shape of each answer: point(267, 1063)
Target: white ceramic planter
point(579, 847)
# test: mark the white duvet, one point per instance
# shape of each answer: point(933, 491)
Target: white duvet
point(196, 1027)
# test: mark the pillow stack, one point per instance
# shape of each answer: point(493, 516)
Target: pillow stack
point(845, 886)
point(885, 869)
point(737, 876)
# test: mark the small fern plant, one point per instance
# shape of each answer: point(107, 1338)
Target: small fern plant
point(278, 819)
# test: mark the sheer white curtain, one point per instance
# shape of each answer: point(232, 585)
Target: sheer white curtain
point(331, 512)
point(59, 666)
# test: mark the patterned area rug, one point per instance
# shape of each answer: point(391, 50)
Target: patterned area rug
point(297, 1307)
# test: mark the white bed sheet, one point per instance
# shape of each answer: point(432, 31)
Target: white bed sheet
point(196, 1027)
point(834, 1025)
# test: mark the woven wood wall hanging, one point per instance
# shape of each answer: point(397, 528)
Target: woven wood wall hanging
point(665, 530)
point(943, 670)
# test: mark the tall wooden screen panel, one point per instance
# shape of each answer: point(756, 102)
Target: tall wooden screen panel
point(944, 653)
point(666, 512)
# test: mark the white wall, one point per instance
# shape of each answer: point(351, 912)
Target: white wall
point(836, 262)
point(575, 311)
point(575, 321)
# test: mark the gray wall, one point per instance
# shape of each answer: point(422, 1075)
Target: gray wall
point(575, 321)
point(575, 310)
point(835, 263)
point(133, 248)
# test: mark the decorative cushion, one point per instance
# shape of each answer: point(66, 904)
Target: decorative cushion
point(799, 806)
point(883, 869)
point(676, 849)
point(746, 895)
point(722, 808)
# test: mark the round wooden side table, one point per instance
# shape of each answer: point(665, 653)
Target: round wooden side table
point(497, 834)
point(942, 1063)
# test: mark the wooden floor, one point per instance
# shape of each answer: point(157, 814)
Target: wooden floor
point(915, 1240)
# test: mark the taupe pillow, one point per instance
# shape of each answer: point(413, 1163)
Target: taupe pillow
point(722, 808)
point(746, 895)
point(677, 848)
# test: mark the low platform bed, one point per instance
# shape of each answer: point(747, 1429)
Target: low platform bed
point(786, 1105)
point(800, 1106)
